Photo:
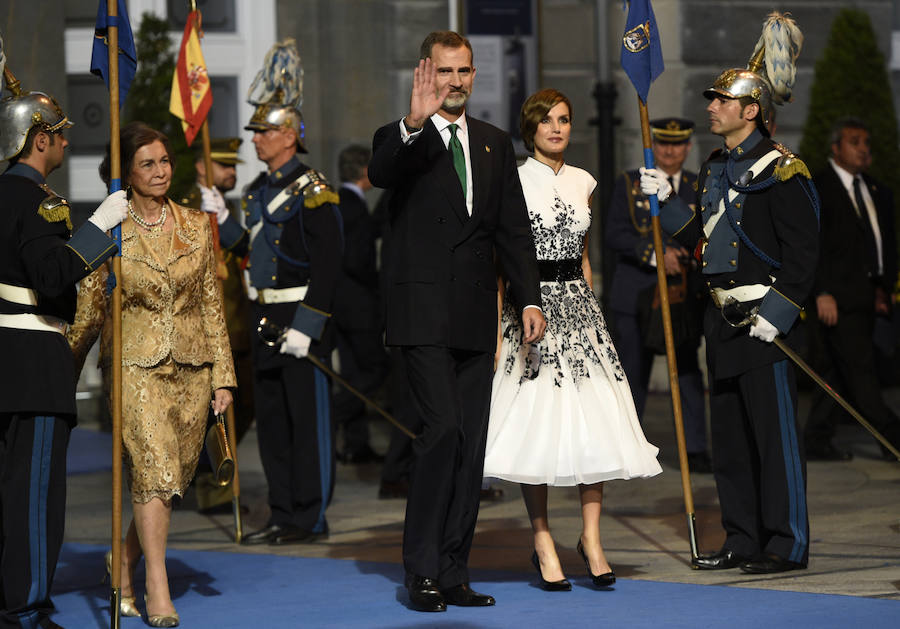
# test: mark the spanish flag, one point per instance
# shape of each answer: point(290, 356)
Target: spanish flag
point(191, 92)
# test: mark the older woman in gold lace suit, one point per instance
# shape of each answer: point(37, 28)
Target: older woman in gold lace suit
point(175, 353)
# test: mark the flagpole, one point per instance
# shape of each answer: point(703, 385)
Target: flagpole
point(115, 174)
point(229, 412)
point(670, 343)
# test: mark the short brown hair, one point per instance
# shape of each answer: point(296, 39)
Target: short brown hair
point(28, 147)
point(450, 39)
point(132, 137)
point(535, 108)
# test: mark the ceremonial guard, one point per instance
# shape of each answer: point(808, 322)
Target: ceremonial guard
point(294, 246)
point(756, 235)
point(41, 263)
point(633, 290)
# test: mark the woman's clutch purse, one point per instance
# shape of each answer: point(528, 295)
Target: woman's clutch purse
point(219, 451)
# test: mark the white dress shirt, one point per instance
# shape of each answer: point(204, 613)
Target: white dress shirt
point(847, 181)
point(462, 132)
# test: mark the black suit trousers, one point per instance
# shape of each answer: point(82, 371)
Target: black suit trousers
point(32, 514)
point(451, 391)
point(849, 365)
point(758, 462)
point(293, 423)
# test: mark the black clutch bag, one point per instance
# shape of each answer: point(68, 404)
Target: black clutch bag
point(219, 451)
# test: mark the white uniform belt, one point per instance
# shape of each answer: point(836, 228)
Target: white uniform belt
point(18, 294)
point(750, 292)
point(280, 295)
point(40, 323)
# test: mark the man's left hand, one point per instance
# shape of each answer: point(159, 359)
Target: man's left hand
point(763, 330)
point(534, 323)
point(295, 343)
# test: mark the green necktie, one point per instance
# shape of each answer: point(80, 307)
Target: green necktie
point(459, 160)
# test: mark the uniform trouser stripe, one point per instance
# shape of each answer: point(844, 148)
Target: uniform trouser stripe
point(41, 452)
point(323, 430)
point(792, 465)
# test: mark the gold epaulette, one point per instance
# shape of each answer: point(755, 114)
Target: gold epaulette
point(789, 165)
point(54, 208)
point(318, 191)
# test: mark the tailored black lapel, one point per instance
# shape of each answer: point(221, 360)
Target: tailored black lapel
point(480, 156)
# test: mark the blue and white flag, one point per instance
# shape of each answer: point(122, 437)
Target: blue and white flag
point(641, 49)
point(127, 52)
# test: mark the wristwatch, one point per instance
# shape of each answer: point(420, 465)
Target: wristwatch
point(410, 129)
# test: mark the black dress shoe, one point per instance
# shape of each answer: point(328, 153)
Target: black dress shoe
point(826, 452)
point(296, 535)
point(262, 536)
point(562, 585)
point(770, 563)
point(424, 595)
point(464, 596)
point(600, 580)
point(699, 463)
point(390, 489)
point(722, 560)
point(360, 456)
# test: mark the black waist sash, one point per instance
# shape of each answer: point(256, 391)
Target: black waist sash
point(560, 270)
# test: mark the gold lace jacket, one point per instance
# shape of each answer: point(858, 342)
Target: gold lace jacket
point(171, 305)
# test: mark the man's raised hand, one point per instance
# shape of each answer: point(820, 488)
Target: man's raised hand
point(425, 100)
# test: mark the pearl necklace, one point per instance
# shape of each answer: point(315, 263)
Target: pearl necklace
point(147, 224)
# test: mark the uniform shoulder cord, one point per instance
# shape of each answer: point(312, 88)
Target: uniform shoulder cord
point(629, 196)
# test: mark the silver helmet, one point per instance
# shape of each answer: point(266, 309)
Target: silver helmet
point(273, 115)
point(277, 92)
point(739, 83)
point(20, 113)
point(771, 72)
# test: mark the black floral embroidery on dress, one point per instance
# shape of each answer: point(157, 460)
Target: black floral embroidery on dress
point(576, 329)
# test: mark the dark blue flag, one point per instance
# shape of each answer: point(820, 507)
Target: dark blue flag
point(127, 53)
point(641, 50)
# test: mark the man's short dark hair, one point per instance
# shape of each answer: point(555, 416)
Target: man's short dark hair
point(847, 122)
point(353, 162)
point(28, 148)
point(450, 39)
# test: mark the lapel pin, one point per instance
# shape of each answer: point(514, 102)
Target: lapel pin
point(487, 149)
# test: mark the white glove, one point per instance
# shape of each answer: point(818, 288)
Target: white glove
point(763, 330)
point(655, 182)
point(295, 343)
point(212, 201)
point(111, 212)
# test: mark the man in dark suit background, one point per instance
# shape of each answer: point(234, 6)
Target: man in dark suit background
point(456, 202)
point(357, 318)
point(629, 234)
point(854, 281)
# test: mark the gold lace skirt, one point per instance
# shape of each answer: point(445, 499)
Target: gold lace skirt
point(164, 412)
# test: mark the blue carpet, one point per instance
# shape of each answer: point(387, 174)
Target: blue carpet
point(89, 451)
point(222, 590)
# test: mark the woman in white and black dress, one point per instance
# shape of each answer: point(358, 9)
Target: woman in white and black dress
point(561, 410)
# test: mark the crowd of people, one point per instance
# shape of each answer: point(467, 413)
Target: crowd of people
point(478, 317)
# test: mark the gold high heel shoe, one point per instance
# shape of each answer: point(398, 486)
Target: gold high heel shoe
point(169, 620)
point(127, 604)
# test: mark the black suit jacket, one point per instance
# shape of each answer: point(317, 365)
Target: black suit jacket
point(356, 298)
point(441, 286)
point(842, 271)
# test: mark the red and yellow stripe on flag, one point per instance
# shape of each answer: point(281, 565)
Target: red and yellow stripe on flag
point(191, 96)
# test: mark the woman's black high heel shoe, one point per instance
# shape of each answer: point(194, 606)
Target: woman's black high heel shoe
point(562, 585)
point(600, 580)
